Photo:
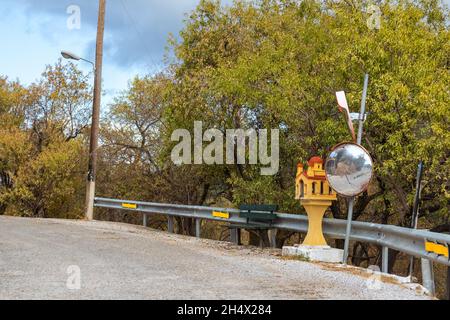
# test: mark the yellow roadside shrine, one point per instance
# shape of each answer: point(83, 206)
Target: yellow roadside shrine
point(315, 195)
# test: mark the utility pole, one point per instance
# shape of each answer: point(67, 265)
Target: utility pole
point(90, 188)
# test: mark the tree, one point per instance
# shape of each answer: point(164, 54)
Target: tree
point(131, 138)
point(277, 64)
point(11, 116)
point(41, 149)
point(134, 154)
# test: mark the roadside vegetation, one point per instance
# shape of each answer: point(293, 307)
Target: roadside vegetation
point(264, 64)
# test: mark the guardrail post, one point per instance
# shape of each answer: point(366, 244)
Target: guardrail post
point(273, 237)
point(428, 275)
point(198, 223)
point(170, 224)
point(235, 236)
point(144, 218)
point(385, 260)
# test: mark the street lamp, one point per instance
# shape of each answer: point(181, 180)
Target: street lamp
point(93, 141)
point(71, 56)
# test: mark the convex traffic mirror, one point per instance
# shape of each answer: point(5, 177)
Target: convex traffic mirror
point(349, 169)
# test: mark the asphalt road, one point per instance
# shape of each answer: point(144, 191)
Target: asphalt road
point(40, 259)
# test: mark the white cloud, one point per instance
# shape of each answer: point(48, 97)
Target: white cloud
point(135, 36)
point(136, 31)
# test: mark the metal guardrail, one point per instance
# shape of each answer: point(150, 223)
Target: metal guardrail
point(413, 242)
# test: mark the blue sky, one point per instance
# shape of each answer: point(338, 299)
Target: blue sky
point(33, 33)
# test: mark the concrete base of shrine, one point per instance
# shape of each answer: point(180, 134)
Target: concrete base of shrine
point(314, 253)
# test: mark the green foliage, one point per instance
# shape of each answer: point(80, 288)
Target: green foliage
point(49, 184)
point(263, 64)
point(277, 64)
point(42, 154)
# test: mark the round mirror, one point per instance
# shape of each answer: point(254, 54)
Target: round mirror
point(349, 169)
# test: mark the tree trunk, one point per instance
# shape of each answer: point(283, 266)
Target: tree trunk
point(259, 238)
point(339, 243)
point(360, 254)
point(282, 236)
point(188, 226)
point(392, 259)
point(253, 238)
point(264, 238)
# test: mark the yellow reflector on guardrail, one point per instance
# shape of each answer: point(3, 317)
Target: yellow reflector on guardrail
point(218, 214)
point(129, 205)
point(436, 248)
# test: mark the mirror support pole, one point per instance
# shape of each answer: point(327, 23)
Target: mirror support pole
point(363, 110)
point(351, 201)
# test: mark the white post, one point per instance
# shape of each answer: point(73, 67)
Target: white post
point(198, 223)
point(145, 219)
point(428, 275)
point(385, 260)
point(170, 224)
point(272, 237)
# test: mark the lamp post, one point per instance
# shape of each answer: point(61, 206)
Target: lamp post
point(93, 142)
point(72, 56)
